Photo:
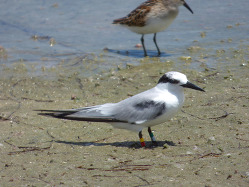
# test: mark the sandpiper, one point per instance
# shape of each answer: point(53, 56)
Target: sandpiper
point(152, 16)
point(145, 109)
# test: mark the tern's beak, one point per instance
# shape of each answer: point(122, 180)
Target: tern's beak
point(186, 5)
point(192, 86)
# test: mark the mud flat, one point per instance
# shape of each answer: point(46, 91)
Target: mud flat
point(206, 144)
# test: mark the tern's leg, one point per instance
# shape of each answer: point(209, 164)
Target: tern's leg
point(142, 40)
point(153, 139)
point(158, 50)
point(141, 139)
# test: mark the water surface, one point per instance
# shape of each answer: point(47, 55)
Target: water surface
point(82, 29)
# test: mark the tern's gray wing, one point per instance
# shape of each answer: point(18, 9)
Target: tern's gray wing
point(136, 110)
point(129, 111)
point(139, 111)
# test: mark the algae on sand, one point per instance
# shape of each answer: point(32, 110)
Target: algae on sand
point(209, 139)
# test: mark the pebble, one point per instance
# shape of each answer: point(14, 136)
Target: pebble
point(138, 45)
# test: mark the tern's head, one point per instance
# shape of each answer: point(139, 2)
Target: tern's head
point(177, 79)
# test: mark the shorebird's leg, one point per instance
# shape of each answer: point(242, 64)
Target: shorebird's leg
point(142, 40)
point(154, 39)
point(141, 139)
point(153, 139)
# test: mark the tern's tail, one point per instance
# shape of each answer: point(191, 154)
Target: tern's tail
point(56, 113)
point(78, 115)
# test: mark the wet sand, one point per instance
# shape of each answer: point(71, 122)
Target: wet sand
point(206, 144)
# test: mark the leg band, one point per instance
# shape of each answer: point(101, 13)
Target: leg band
point(142, 142)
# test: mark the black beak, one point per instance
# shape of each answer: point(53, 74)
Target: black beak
point(186, 5)
point(192, 86)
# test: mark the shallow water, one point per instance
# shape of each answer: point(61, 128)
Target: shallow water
point(205, 145)
point(84, 28)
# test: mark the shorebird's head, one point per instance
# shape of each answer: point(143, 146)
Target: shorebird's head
point(177, 79)
point(182, 2)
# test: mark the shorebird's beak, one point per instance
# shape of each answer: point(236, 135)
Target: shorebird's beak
point(186, 5)
point(192, 86)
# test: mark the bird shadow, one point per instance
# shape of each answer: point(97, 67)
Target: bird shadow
point(128, 144)
point(137, 53)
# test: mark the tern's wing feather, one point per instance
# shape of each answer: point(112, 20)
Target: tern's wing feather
point(127, 112)
point(140, 111)
point(99, 113)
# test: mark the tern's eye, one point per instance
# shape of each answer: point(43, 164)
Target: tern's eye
point(173, 81)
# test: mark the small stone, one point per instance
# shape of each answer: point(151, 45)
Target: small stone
point(194, 48)
point(138, 45)
point(165, 146)
point(212, 138)
point(52, 42)
point(186, 58)
point(203, 34)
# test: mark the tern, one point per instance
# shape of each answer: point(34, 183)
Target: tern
point(144, 110)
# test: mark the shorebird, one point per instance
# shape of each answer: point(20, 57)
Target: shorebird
point(150, 17)
point(144, 110)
